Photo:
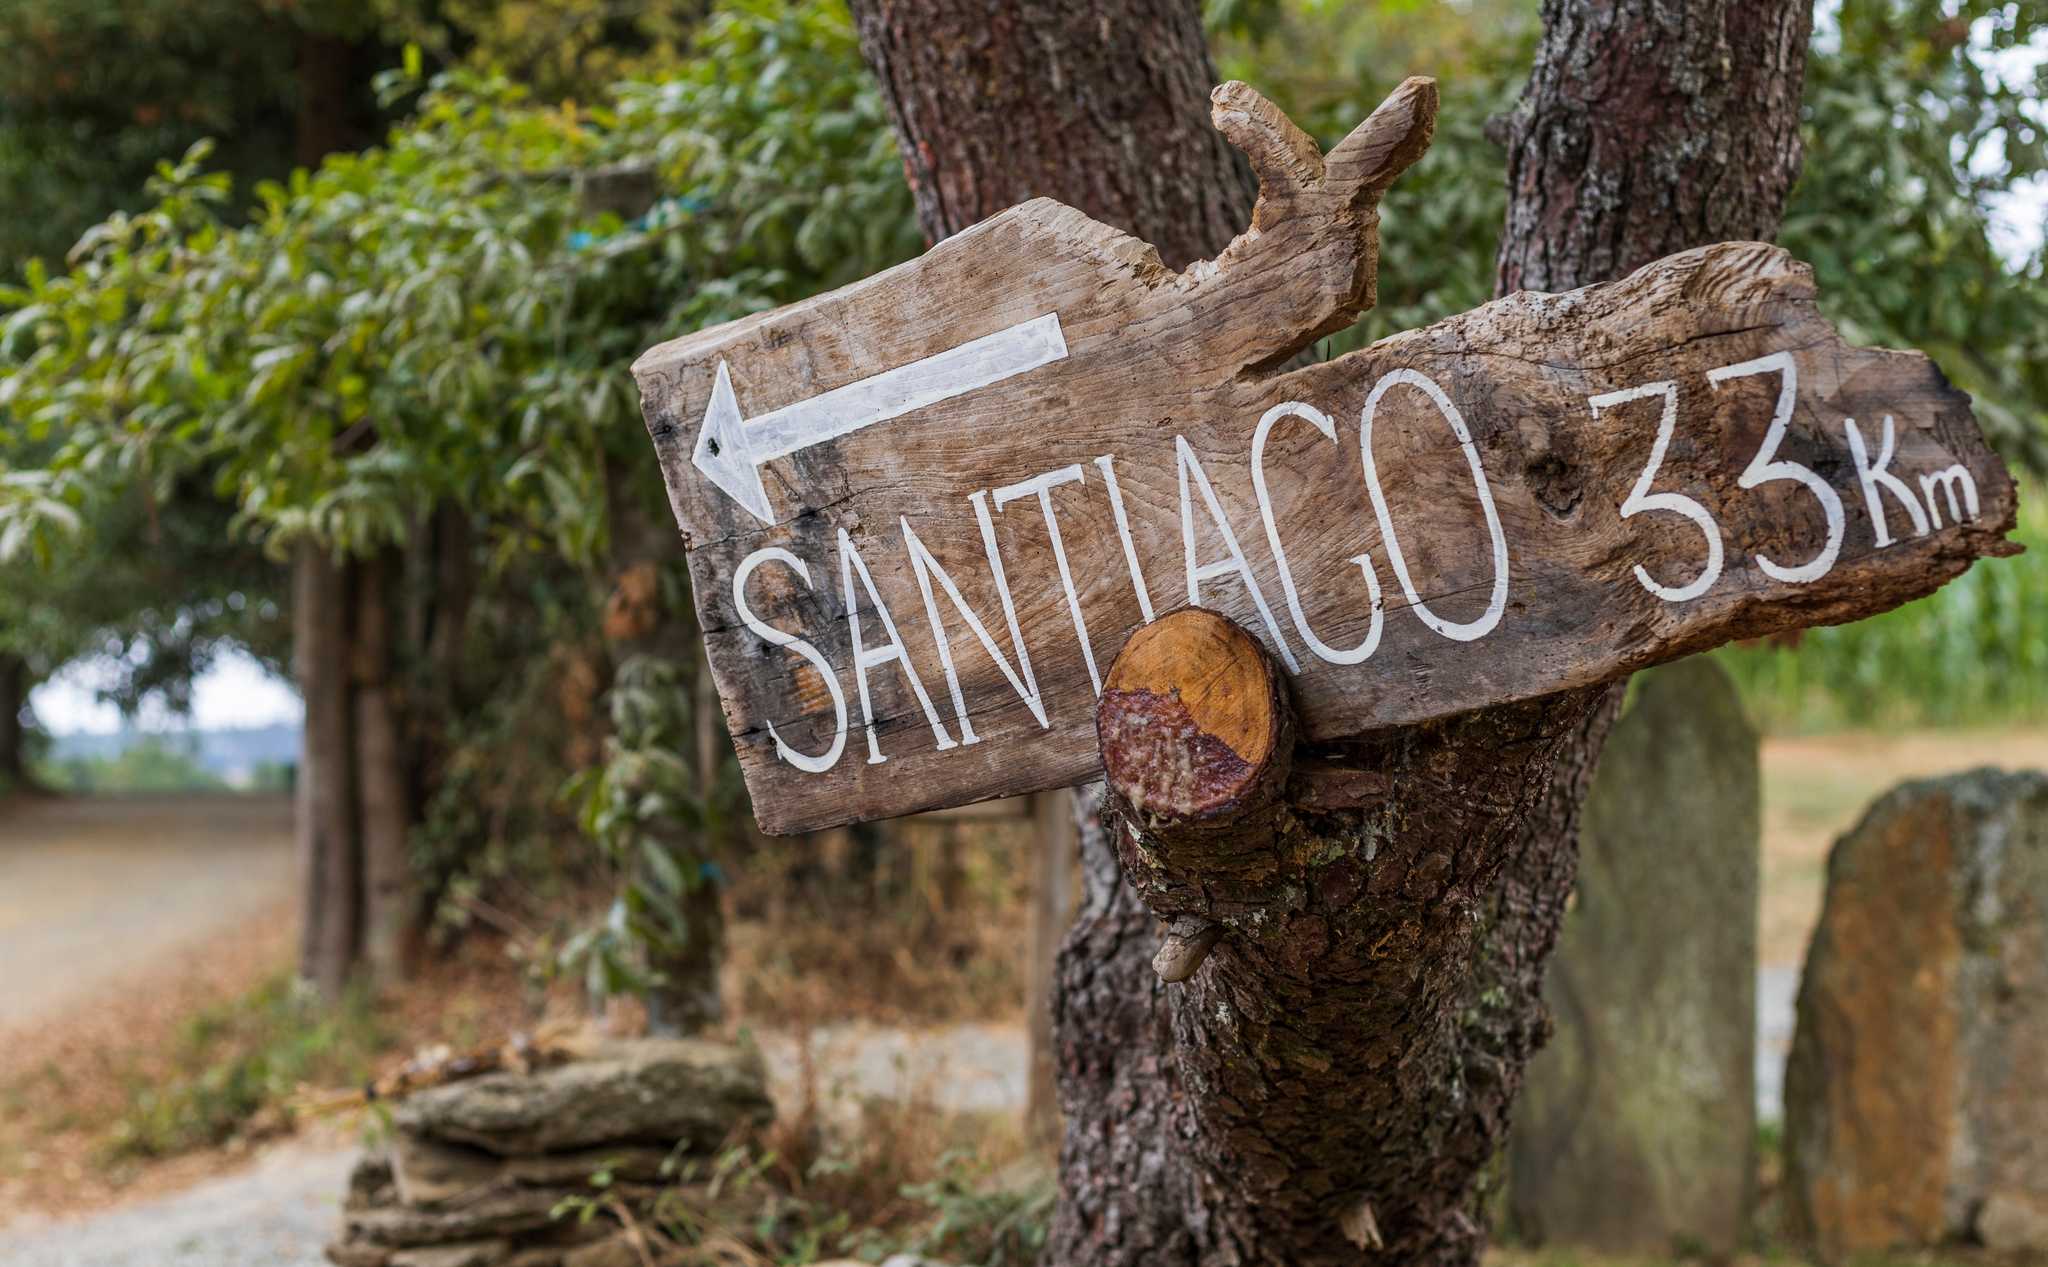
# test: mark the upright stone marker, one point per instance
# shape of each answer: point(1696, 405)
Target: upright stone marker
point(923, 511)
point(1636, 1131)
point(1916, 1095)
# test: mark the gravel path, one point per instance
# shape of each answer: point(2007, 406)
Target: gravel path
point(277, 1214)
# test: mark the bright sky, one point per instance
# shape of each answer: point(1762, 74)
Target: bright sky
point(235, 692)
point(2021, 220)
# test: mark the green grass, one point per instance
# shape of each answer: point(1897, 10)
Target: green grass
point(1975, 653)
point(240, 1060)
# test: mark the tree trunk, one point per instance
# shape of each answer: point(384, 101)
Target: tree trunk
point(382, 785)
point(1342, 1082)
point(330, 103)
point(1103, 104)
point(329, 856)
point(1194, 1133)
point(14, 686)
point(1643, 131)
point(1647, 129)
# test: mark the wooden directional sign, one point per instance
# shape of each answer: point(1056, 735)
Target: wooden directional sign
point(924, 512)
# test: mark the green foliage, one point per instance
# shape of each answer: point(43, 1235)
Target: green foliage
point(1910, 139)
point(559, 48)
point(243, 1058)
point(646, 810)
point(1329, 64)
point(94, 92)
point(973, 1223)
point(446, 322)
point(154, 763)
point(1973, 653)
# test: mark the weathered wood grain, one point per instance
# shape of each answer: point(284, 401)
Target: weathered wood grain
point(1164, 385)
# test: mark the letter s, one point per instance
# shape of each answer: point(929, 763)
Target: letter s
point(776, 637)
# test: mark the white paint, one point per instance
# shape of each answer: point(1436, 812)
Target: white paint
point(1873, 476)
point(1768, 468)
point(1123, 533)
point(1364, 650)
point(776, 637)
point(1197, 573)
point(1640, 498)
point(925, 564)
point(1497, 602)
point(730, 450)
point(1948, 480)
point(865, 658)
point(1042, 486)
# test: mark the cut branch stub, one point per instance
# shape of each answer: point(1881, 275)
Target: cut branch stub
point(1193, 723)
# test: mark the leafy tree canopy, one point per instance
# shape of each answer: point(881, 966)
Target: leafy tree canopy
point(444, 318)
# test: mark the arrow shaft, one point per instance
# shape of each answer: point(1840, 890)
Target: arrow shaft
point(969, 367)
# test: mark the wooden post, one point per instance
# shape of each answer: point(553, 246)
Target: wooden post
point(1057, 843)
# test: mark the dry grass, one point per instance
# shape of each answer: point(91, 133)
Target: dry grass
point(1816, 787)
point(919, 922)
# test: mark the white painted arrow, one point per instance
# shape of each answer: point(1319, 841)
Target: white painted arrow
point(730, 450)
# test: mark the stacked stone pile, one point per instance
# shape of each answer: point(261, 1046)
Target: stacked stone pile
point(475, 1171)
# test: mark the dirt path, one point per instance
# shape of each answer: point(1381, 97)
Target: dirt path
point(90, 889)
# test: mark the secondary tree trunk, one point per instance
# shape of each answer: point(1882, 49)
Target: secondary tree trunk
point(1243, 1116)
point(329, 853)
point(1647, 129)
point(382, 783)
point(13, 736)
point(1643, 131)
point(1103, 104)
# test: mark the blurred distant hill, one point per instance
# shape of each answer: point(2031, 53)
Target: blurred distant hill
point(237, 757)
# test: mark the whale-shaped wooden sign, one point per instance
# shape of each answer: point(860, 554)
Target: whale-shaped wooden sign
point(923, 512)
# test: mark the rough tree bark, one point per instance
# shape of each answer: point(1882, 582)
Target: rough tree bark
point(1192, 1139)
point(328, 849)
point(1341, 1083)
point(1647, 129)
point(1644, 130)
point(1103, 104)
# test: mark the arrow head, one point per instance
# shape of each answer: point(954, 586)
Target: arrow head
point(722, 452)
